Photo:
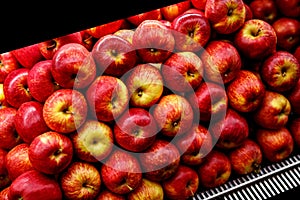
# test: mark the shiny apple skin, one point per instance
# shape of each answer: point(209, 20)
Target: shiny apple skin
point(8, 63)
point(147, 189)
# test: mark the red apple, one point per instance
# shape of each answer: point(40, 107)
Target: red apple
point(29, 117)
point(170, 12)
point(114, 55)
point(225, 16)
point(35, 185)
point(194, 145)
point(294, 128)
point(264, 9)
point(135, 130)
point(145, 85)
point(105, 29)
point(192, 31)
point(215, 171)
point(222, 61)
point(198, 4)
point(182, 71)
point(49, 47)
point(17, 161)
point(40, 81)
point(288, 32)
point(93, 141)
point(51, 152)
point(121, 173)
point(4, 193)
point(174, 115)
point(276, 144)
point(106, 194)
point(81, 180)
point(65, 110)
point(147, 189)
point(8, 63)
point(288, 8)
point(107, 97)
point(246, 91)
point(160, 161)
point(294, 98)
point(5, 180)
point(73, 66)
point(29, 55)
point(230, 132)
point(126, 34)
point(153, 41)
point(137, 19)
point(246, 158)
point(273, 112)
point(9, 137)
point(210, 101)
point(256, 39)
point(182, 185)
point(280, 71)
point(15, 87)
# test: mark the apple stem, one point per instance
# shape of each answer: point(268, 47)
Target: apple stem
point(130, 188)
point(53, 44)
point(256, 168)
point(230, 11)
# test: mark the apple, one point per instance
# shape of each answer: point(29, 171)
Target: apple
point(106, 194)
point(105, 29)
point(288, 32)
point(198, 4)
point(153, 41)
point(222, 61)
point(276, 144)
point(4, 193)
point(182, 185)
point(35, 185)
point(29, 55)
point(160, 161)
point(49, 47)
point(114, 55)
point(147, 189)
point(40, 81)
point(145, 85)
point(194, 145)
point(264, 9)
point(294, 128)
point(173, 114)
point(73, 66)
point(9, 137)
point(5, 180)
point(50, 152)
point(121, 173)
point(215, 171)
point(93, 141)
point(8, 63)
point(246, 158)
point(3, 102)
point(137, 19)
point(225, 16)
point(280, 71)
point(65, 110)
point(15, 87)
point(170, 12)
point(135, 130)
point(182, 71)
point(17, 161)
point(107, 97)
point(126, 34)
point(87, 39)
point(191, 30)
point(273, 112)
point(246, 91)
point(210, 101)
point(232, 131)
point(294, 97)
point(288, 8)
point(29, 117)
point(256, 39)
point(81, 180)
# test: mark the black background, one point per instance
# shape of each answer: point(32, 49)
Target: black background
point(25, 23)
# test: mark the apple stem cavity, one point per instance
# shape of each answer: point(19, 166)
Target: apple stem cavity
point(230, 11)
point(52, 45)
point(256, 168)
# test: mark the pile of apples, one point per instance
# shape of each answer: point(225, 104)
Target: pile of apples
point(159, 105)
